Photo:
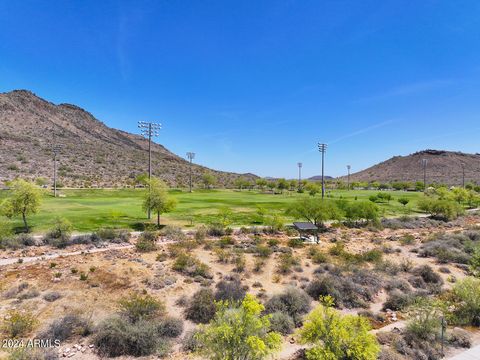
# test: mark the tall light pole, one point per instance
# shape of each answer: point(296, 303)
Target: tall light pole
point(424, 163)
point(348, 177)
point(323, 148)
point(190, 156)
point(149, 130)
point(55, 149)
point(299, 175)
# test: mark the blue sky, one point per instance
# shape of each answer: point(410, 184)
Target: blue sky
point(252, 86)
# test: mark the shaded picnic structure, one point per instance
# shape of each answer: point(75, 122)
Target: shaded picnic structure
point(306, 229)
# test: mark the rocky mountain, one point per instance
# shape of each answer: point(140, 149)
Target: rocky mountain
point(93, 155)
point(444, 167)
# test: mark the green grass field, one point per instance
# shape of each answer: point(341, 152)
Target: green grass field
point(89, 210)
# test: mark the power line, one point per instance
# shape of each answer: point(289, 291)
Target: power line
point(323, 148)
point(149, 130)
point(190, 156)
point(56, 148)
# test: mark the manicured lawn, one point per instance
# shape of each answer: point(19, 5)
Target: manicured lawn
point(91, 209)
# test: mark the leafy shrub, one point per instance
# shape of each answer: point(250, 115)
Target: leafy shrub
point(281, 323)
point(263, 251)
point(398, 300)
point(295, 243)
point(18, 323)
point(173, 233)
point(466, 294)
point(230, 289)
point(336, 336)
point(293, 302)
point(111, 235)
point(424, 322)
point(201, 234)
point(146, 242)
point(140, 307)
point(240, 262)
point(440, 209)
point(190, 342)
point(460, 338)
point(407, 239)
point(28, 353)
point(52, 296)
point(59, 235)
point(191, 266)
point(64, 328)
point(170, 327)
point(201, 308)
point(248, 337)
point(116, 336)
point(356, 290)
point(428, 275)
point(286, 262)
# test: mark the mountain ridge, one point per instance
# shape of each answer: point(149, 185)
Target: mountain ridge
point(94, 155)
point(443, 166)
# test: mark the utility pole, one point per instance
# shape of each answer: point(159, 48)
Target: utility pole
point(149, 130)
point(323, 148)
point(190, 156)
point(55, 149)
point(424, 163)
point(463, 175)
point(348, 177)
point(299, 175)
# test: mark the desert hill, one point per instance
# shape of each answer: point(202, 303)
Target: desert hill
point(92, 155)
point(442, 167)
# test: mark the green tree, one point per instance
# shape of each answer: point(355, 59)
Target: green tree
point(315, 211)
point(41, 181)
point(360, 211)
point(157, 199)
point(334, 336)
point(239, 333)
point(271, 185)
point(225, 215)
point(209, 180)
point(403, 200)
point(25, 199)
point(261, 183)
point(282, 185)
point(141, 179)
point(312, 188)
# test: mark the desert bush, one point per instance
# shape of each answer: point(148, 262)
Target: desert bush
point(249, 335)
point(201, 234)
point(230, 289)
point(281, 323)
point(190, 342)
point(407, 239)
point(223, 255)
point(59, 235)
point(295, 243)
point(293, 302)
point(67, 326)
point(460, 338)
point(424, 322)
point(286, 262)
point(398, 300)
point(441, 209)
point(345, 291)
point(317, 256)
point(116, 336)
point(216, 230)
point(336, 336)
point(428, 275)
point(191, 266)
point(146, 242)
point(111, 235)
point(263, 251)
point(448, 247)
point(137, 307)
point(201, 308)
point(28, 353)
point(389, 354)
point(240, 262)
point(52, 296)
point(170, 327)
point(466, 299)
point(173, 233)
point(18, 323)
